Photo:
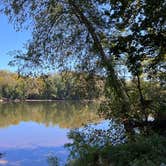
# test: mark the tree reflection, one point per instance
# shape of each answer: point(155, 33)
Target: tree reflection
point(64, 114)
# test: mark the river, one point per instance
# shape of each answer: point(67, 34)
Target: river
point(32, 131)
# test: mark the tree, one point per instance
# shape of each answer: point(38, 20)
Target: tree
point(66, 31)
point(94, 35)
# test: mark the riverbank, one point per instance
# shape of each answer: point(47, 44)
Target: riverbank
point(44, 100)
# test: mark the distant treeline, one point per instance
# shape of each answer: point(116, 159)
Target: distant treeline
point(70, 85)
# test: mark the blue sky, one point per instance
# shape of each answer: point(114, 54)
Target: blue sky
point(10, 40)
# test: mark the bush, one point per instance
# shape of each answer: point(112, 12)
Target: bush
point(141, 151)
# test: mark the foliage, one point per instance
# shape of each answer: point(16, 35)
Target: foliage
point(53, 160)
point(54, 86)
point(154, 102)
point(144, 151)
point(89, 142)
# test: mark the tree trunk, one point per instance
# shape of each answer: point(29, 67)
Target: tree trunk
point(116, 83)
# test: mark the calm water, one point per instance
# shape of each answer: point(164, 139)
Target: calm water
point(30, 132)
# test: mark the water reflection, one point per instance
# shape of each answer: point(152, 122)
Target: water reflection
point(30, 131)
point(64, 114)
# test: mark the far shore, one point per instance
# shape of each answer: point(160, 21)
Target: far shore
point(42, 100)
